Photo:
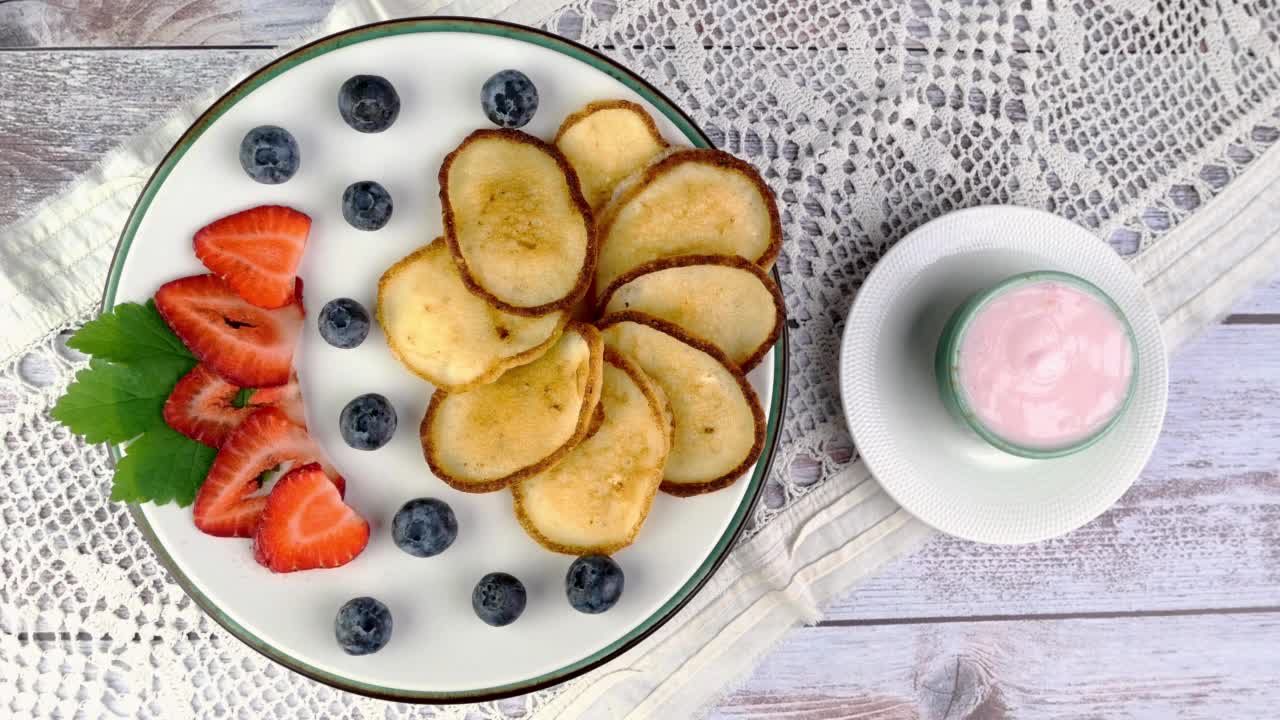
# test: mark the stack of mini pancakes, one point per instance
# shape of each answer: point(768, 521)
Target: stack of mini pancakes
point(588, 320)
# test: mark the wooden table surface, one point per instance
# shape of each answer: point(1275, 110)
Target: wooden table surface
point(1166, 606)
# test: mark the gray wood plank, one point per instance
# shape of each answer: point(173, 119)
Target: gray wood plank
point(133, 23)
point(1155, 668)
point(1264, 300)
point(1205, 666)
point(61, 111)
point(1200, 529)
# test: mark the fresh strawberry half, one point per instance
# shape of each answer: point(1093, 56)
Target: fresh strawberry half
point(256, 252)
point(227, 504)
point(247, 345)
point(206, 408)
point(202, 406)
point(306, 525)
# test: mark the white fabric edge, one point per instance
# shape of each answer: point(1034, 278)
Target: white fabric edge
point(528, 12)
point(1206, 220)
point(362, 12)
point(52, 273)
point(1235, 239)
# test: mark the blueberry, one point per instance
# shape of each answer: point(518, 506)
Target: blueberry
point(344, 323)
point(366, 205)
point(594, 584)
point(368, 422)
point(362, 626)
point(498, 599)
point(424, 527)
point(269, 154)
point(509, 99)
point(368, 103)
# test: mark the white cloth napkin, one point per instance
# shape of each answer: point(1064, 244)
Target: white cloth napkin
point(52, 268)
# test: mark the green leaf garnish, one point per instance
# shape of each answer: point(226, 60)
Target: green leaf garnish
point(162, 466)
point(120, 397)
point(129, 333)
point(242, 398)
point(111, 402)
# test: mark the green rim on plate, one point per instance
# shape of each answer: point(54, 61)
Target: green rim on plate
point(947, 363)
point(583, 54)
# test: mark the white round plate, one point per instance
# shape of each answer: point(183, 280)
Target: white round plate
point(440, 651)
point(940, 471)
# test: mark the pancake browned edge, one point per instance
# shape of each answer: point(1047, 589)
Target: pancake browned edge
point(597, 418)
point(492, 374)
point(587, 272)
point(633, 185)
point(646, 120)
point(586, 421)
point(659, 407)
point(733, 261)
point(757, 412)
point(601, 105)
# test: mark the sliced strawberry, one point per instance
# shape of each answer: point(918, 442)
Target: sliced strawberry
point(246, 345)
point(226, 504)
point(287, 397)
point(256, 252)
point(306, 525)
point(202, 407)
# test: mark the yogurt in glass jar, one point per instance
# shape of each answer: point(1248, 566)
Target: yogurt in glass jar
point(1041, 365)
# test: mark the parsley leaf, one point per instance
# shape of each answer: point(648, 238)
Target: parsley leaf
point(111, 402)
point(162, 466)
point(136, 362)
point(128, 334)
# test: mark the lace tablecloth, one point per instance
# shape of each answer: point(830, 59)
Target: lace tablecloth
point(1150, 123)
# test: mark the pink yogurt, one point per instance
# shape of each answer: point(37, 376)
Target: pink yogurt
point(1045, 365)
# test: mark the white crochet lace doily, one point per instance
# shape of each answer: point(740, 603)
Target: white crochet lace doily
point(867, 118)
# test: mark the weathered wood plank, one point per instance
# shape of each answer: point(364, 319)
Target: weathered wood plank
point(1203, 666)
point(61, 111)
point(1189, 667)
point(1201, 529)
point(1265, 300)
point(133, 23)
